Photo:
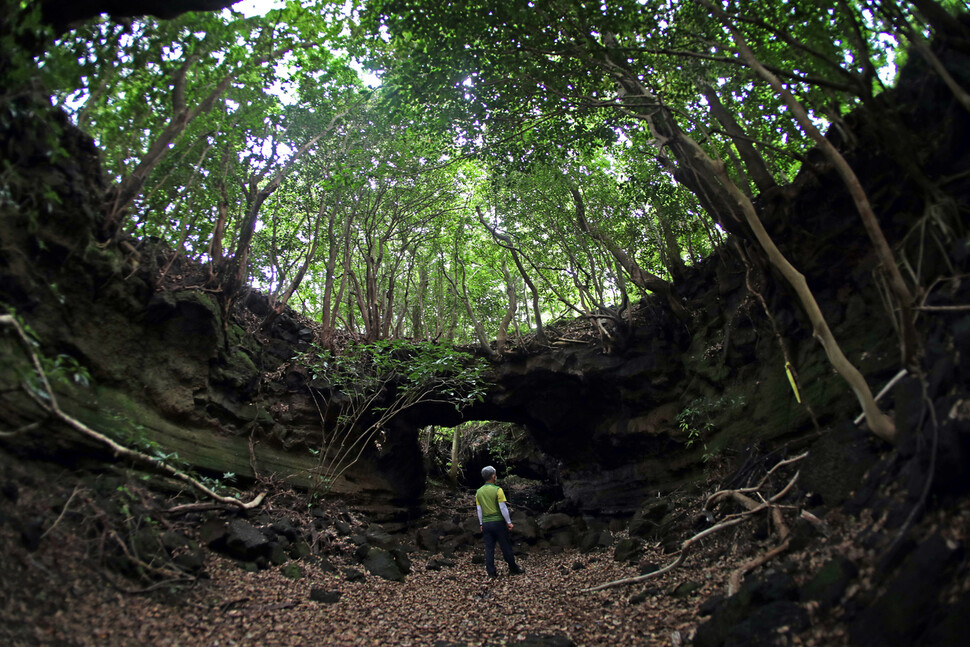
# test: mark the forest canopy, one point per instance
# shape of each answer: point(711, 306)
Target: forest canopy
point(504, 165)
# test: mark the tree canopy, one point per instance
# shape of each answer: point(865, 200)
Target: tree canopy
point(516, 161)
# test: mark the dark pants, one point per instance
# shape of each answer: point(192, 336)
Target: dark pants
point(497, 531)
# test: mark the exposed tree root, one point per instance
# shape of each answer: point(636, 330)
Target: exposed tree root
point(734, 582)
point(751, 507)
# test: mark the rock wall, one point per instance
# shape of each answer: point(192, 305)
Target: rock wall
point(676, 400)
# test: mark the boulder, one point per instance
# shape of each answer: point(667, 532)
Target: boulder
point(554, 521)
point(627, 550)
point(381, 563)
point(324, 596)
point(898, 616)
point(830, 582)
point(244, 541)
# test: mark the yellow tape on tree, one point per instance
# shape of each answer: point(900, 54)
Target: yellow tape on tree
point(791, 380)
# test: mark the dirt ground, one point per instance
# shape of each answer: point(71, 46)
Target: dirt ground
point(61, 583)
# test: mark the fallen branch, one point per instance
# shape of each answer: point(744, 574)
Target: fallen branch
point(751, 507)
point(682, 554)
point(734, 582)
point(135, 559)
point(52, 407)
point(63, 512)
point(738, 493)
point(20, 430)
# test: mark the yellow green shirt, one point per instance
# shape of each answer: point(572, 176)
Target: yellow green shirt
point(488, 497)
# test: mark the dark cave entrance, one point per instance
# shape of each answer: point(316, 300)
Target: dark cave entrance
point(456, 455)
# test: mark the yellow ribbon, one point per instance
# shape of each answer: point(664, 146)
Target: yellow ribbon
point(791, 380)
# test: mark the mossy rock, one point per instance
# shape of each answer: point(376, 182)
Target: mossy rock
point(292, 571)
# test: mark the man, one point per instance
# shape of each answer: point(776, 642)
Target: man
point(493, 517)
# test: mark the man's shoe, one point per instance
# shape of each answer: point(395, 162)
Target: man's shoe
point(492, 575)
point(518, 570)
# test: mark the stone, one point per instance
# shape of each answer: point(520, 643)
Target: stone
point(292, 571)
point(593, 539)
point(438, 564)
point(544, 640)
point(244, 541)
point(685, 589)
point(830, 582)
point(427, 539)
point(554, 521)
point(771, 586)
point(376, 536)
point(342, 527)
point(285, 528)
point(526, 527)
point(756, 592)
point(646, 567)
point(770, 626)
point(277, 554)
point(186, 553)
point(400, 555)
point(299, 550)
point(353, 575)
point(381, 563)
point(950, 627)
point(710, 605)
point(563, 537)
point(213, 532)
point(898, 615)
point(10, 491)
point(627, 550)
point(643, 528)
point(324, 596)
point(449, 527)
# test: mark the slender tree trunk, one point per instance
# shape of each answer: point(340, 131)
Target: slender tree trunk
point(753, 162)
point(879, 423)
point(417, 310)
point(462, 293)
point(640, 277)
point(123, 194)
point(453, 470)
point(501, 338)
point(906, 298)
point(506, 242)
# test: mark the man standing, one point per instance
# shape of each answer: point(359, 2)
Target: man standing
point(493, 517)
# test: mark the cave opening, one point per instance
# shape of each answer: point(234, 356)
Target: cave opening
point(455, 455)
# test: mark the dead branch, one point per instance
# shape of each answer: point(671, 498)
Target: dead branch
point(52, 407)
point(751, 507)
point(739, 493)
point(63, 512)
point(19, 430)
point(682, 554)
point(817, 523)
point(137, 561)
point(734, 582)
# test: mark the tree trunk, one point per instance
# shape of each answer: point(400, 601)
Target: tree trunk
point(907, 300)
point(453, 469)
point(753, 162)
point(506, 242)
point(640, 277)
point(501, 338)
